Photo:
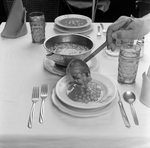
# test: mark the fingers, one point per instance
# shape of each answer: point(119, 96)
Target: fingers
point(122, 34)
point(122, 18)
point(116, 26)
point(112, 46)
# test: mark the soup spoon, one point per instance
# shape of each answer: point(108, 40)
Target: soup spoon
point(77, 66)
point(130, 97)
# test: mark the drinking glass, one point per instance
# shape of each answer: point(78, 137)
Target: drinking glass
point(128, 62)
point(37, 24)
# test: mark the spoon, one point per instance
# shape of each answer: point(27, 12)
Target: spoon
point(99, 31)
point(130, 97)
point(104, 31)
point(78, 66)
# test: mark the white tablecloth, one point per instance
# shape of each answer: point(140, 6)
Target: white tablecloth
point(21, 68)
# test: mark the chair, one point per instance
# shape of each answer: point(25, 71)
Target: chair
point(143, 7)
point(50, 8)
point(87, 7)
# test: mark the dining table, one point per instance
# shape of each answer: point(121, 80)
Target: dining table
point(22, 68)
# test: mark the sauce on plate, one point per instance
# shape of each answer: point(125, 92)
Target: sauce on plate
point(92, 93)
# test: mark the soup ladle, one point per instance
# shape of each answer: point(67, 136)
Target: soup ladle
point(79, 66)
point(130, 97)
point(70, 70)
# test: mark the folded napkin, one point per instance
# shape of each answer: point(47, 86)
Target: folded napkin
point(16, 21)
point(145, 91)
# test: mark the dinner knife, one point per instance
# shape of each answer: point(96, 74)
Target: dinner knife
point(123, 113)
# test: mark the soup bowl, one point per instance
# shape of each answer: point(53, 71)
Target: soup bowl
point(65, 47)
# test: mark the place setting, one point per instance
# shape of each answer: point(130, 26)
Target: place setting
point(73, 23)
point(98, 95)
point(73, 54)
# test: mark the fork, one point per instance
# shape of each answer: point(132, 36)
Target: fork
point(35, 98)
point(103, 29)
point(99, 32)
point(44, 94)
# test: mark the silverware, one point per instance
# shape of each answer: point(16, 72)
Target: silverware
point(35, 98)
point(103, 29)
point(123, 113)
point(130, 97)
point(99, 31)
point(44, 94)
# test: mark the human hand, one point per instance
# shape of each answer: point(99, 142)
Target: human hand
point(125, 28)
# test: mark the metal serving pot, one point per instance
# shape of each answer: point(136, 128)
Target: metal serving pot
point(62, 59)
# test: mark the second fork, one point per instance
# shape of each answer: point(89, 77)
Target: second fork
point(44, 94)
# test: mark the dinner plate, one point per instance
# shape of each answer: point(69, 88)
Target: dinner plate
point(51, 67)
point(81, 113)
point(73, 21)
point(82, 30)
point(108, 92)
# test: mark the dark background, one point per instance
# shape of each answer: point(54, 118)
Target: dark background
point(3, 15)
point(116, 9)
point(54, 8)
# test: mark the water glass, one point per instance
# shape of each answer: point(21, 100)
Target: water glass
point(128, 62)
point(37, 24)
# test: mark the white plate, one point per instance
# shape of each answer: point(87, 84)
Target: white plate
point(82, 30)
point(77, 21)
point(79, 113)
point(50, 66)
point(108, 87)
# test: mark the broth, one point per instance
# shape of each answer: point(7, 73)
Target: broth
point(69, 49)
point(73, 22)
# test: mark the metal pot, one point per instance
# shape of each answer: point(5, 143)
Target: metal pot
point(62, 59)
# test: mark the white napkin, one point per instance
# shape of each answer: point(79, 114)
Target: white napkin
point(145, 91)
point(16, 22)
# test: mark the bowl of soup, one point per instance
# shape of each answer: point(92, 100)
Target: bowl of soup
point(66, 47)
